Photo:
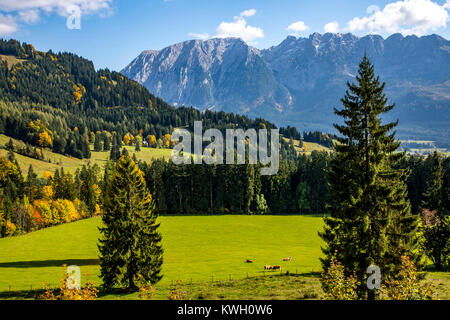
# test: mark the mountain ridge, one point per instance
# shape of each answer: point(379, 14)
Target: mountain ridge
point(299, 81)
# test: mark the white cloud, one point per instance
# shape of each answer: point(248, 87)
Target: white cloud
point(201, 36)
point(8, 25)
point(29, 11)
point(407, 17)
point(29, 16)
point(297, 27)
point(332, 27)
point(239, 28)
point(248, 13)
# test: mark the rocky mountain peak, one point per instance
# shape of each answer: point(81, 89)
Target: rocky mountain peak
point(299, 81)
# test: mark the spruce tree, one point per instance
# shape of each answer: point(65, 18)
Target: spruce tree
point(436, 236)
point(31, 184)
point(106, 143)
point(370, 221)
point(434, 192)
point(302, 193)
point(130, 246)
point(98, 143)
point(10, 145)
point(137, 146)
point(115, 149)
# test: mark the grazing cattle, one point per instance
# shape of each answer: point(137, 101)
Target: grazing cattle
point(287, 259)
point(249, 261)
point(276, 268)
point(267, 268)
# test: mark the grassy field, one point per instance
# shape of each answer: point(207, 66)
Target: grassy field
point(11, 60)
point(196, 249)
point(70, 164)
point(207, 253)
point(310, 147)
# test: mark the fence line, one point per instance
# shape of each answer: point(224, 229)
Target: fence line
point(191, 281)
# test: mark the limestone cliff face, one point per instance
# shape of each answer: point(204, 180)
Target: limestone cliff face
point(299, 81)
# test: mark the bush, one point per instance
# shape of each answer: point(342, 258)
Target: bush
point(146, 291)
point(86, 292)
point(336, 285)
point(407, 285)
point(176, 293)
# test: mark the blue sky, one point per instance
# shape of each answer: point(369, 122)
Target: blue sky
point(113, 32)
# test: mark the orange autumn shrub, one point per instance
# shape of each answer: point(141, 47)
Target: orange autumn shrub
point(86, 292)
point(49, 215)
point(66, 210)
point(53, 212)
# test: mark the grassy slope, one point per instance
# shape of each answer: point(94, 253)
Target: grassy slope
point(70, 164)
point(11, 60)
point(196, 247)
point(310, 147)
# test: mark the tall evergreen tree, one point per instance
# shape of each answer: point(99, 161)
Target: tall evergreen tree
point(98, 143)
point(434, 194)
point(115, 149)
point(367, 196)
point(302, 193)
point(130, 246)
point(31, 184)
point(436, 235)
point(137, 146)
point(10, 145)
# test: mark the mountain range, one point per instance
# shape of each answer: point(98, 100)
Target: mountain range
point(301, 80)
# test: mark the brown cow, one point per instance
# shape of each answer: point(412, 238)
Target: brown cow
point(249, 261)
point(267, 268)
point(287, 259)
point(276, 268)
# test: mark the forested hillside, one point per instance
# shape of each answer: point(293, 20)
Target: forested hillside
point(59, 101)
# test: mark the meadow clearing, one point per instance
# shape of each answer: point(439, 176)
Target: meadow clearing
point(197, 249)
point(206, 251)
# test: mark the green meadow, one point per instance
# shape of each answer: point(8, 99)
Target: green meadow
point(197, 248)
point(206, 253)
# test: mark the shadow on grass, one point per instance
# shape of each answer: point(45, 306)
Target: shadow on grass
point(21, 295)
point(49, 263)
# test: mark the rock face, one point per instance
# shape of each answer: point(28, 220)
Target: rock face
point(218, 73)
point(301, 80)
